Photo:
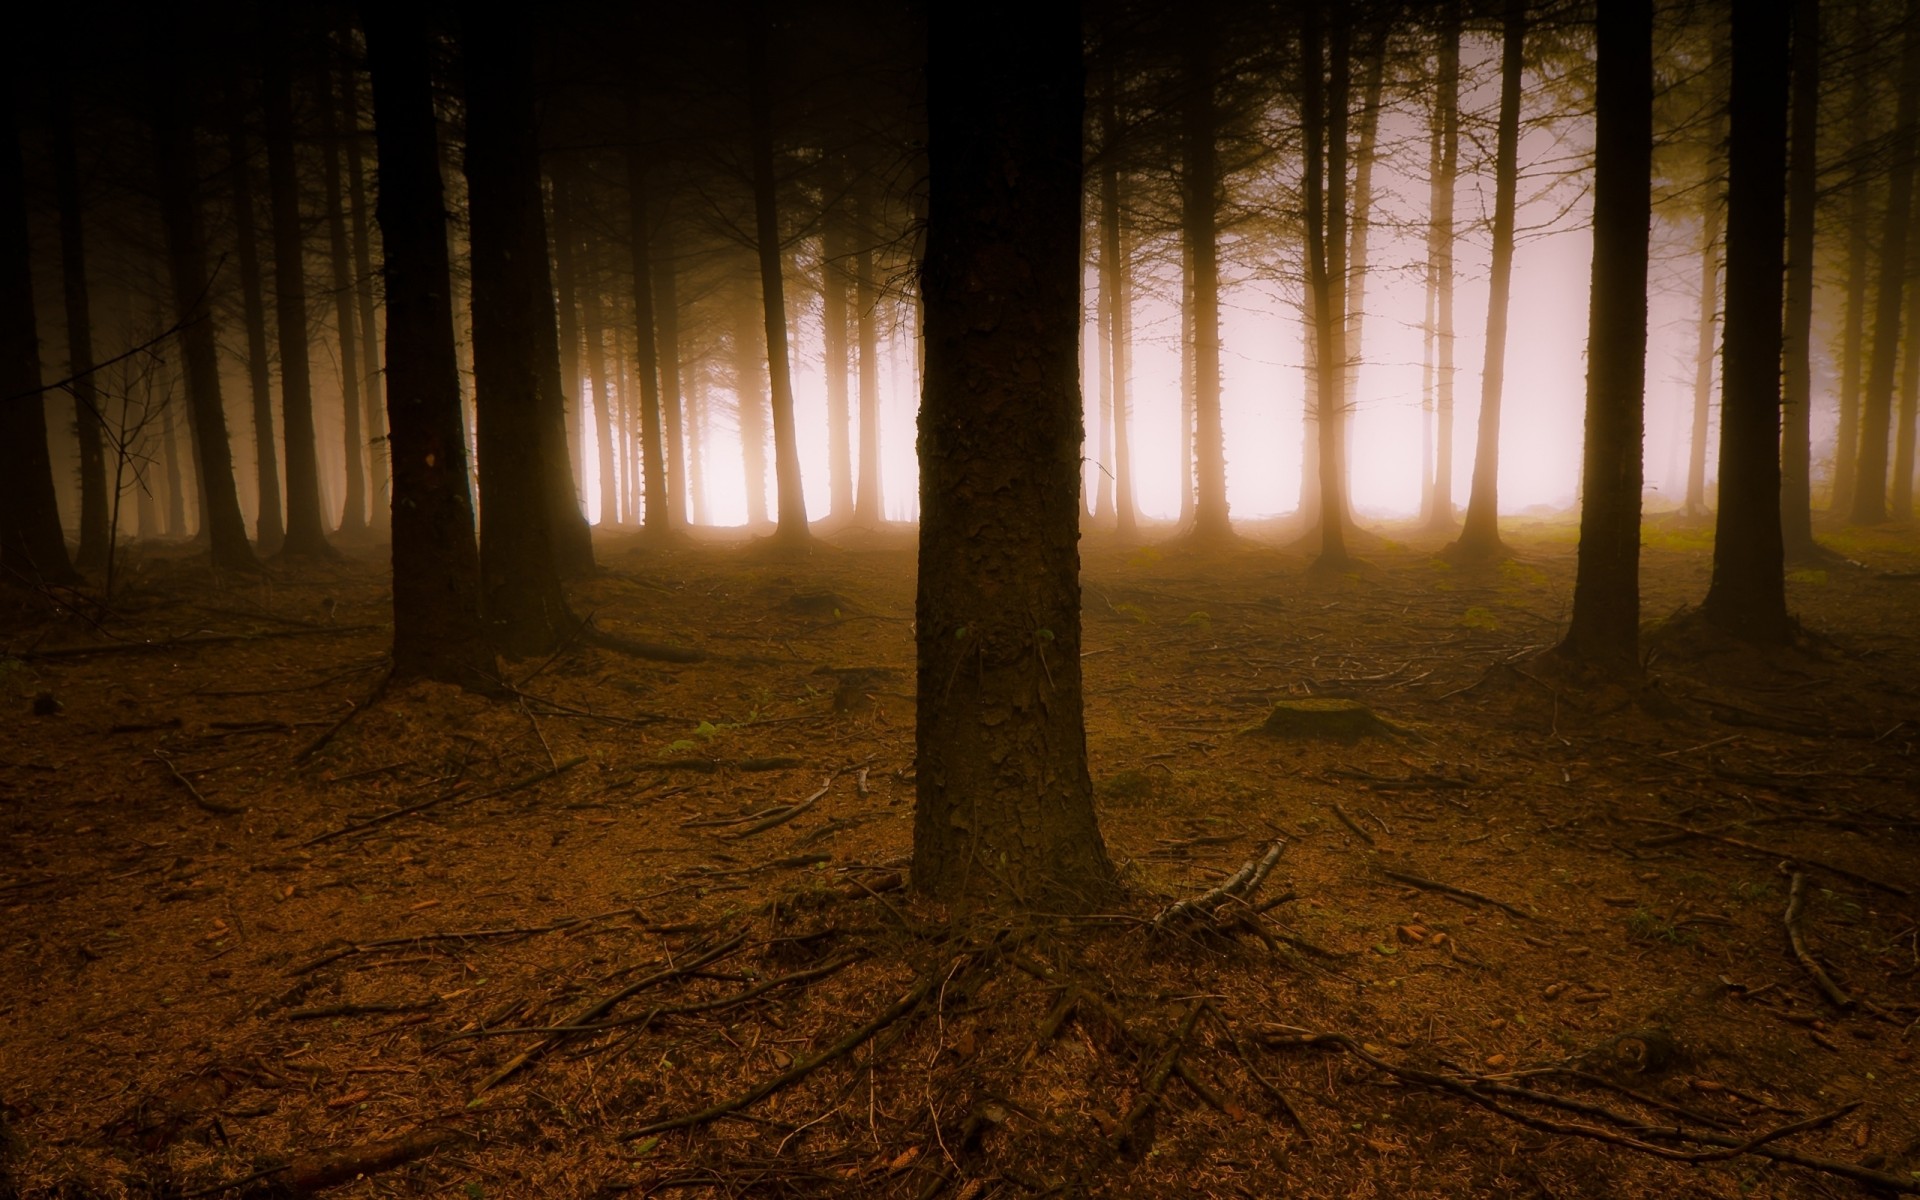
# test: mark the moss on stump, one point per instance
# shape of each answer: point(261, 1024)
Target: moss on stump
point(1330, 719)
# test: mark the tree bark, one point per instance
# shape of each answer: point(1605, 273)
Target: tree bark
point(867, 498)
point(834, 238)
point(269, 528)
point(1860, 106)
point(1360, 227)
point(656, 509)
point(371, 376)
point(666, 324)
point(89, 426)
point(1480, 531)
point(1440, 509)
point(1116, 297)
point(595, 376)
point(568, 311)
point(179, 182)
point(1605, 627)
point(353, 517)
point(1900, 508)
point(1324, 127)
point(1803, 169)
point(1748, 594)
point(1199, 226)
point(437, 630)
point(1703, 357)
point(1004, 802)
point(1870, 473)
point(749, 365)
point(791, 499)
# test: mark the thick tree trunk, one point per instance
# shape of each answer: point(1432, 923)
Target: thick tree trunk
point(1480, 531)
point(866, 502)
point(1440, 509)
point(269, 529)
point(1004, 802)
point(437, 630)
point(666, 324)
point(88, 423)
point(568, 311)
point(657, 510)
point(177, 525)
point(1199, 227)
point(32, 546)
point(179, 181)
point(1900, 508)
point(353, 518)
point(1605, 628)
point(749, 377)
point(1703, 358)
point(375, 428)
point(1870, 473)
point(1323, 124)
point(1748, 594)
point(791, 498)
point(1116, 296)
point(1860, 106)
point(306, 527)
point(525, 608)
point(1803, 169)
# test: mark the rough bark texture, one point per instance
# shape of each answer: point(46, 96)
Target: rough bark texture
point(437, 631)
point(269, 527)
point(1803, 168)
point(1440, 511)
point(1605, 628)
point(179, 180)
point(1480, 530)
point(88, 424)
point(1748, 594)
point(353, 515)
point(306, 529)
point(1876, 408)
point(1199, 226)
point(1005, 804)
point(525, 608)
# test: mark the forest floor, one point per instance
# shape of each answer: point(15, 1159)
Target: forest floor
point(250, 950)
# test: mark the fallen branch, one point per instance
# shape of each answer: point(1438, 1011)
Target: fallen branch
point(1238, 887)
point(1347, 820)
point(1156, 1081)
point(517, 785)
point(788, 813)
point(458, 935)
point(1796, 898)
point(200, 801)
point(1434, 885)
point(1771, 852)
point(353, 710)
point(359, 1010)
point(206, 639)
point(310, 1173)
point(799, 1070)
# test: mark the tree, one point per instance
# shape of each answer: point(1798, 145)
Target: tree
point(1803, 169)
point(437, 632)
point(657, 514)
point(353, 517)
point(1004, 801)
point(1605, 628)
point(1199, 227)
point(1748, 594)
point(866, 298)
point(269, 530)
point(1480, 530)
point(95, 544)
point(1323, 121)
point(1116, 299)
point(1440, 512)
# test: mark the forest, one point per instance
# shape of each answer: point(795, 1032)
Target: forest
point(960, 601)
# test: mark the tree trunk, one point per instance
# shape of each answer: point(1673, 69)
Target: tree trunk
point(269, 529)
point(866, 502)
point(89, 426)
point(1703, 358)
point(1359, 229)
point(1605, 628)
point(1803, 168)
point(1004, 801)
point(179, 182)
point(1480, 531)
point(568, 311)
point(834, 249)
point(1846, 442)
point(749, 366)
point(1440, 233)
point(353, 518)
point(666, 324)
point(594, 376)
point(1870, 473)
point(32, 545)
point(696, 450)
point(1748, 594)
point(177, 526)
point(306, 528)
point(1199, 226)
point(646, 361)
point(371, 376)
point(1428, 339)
point(1188, 353)
point(1901, 507)
point(1116, 297)
point(1323, 112)
point(792, 500)
point(526, 610)
point(437, 630)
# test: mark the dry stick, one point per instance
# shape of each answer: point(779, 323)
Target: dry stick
point(359, 1010)
point(1434, 885)
point(788, 813)
point(1156, 1081)
point(353, 710)
point(1350, 823)
point(799, 1070)
point(1241, 885)
point(537, 777)
point(223, 810)
point(1796, 897)
point(1771, 852)
point(309, 1173)
point(208, 639)
point(600, 1007)
point(1272, 1089)
point(463, 935)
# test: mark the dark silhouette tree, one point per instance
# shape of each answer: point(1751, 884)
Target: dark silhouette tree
point(1323, 112)
point(1748, 594)
point(1199, 226)
point(1005, 804)
point(1803, 170)
point(866, 300)
point(657, 517)
point(437, 630)
point(89, 427)
point(353, 516)
point(1440, 236)
point(269, 529)
point(1605, 629)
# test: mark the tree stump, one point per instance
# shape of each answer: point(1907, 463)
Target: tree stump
point(1324, 718)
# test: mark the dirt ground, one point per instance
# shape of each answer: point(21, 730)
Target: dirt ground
point(469, 947)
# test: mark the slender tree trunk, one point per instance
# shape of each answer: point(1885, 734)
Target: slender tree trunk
point(646, 360)
point(866, 503)
point(95, 541)
point(1429, 336)
point(526, 610)
point(1605, 628)
point(697, 408)
point(179, 182)
point(792, 500)
point(1703, 359)
point(1846, 442)
point(353, 519)
point(1116, 296)
point(1748, 594)
point(1480, 531)
point(306, 527)
point(749, 366)
point(1103, 365)
point(437, 630)
point(564, 244)
point(177, 525)
point(1440, 233)
point(1005, 805)
point(1359, 231)
point(1189, 351)
point(1199, 225)
point(375, 428)
point(666, 324)
point(595, 376)
point(1870, 474)
point(834, 249)
point(269, 529)
point(1323, 123)
point(32, 545)
point(1901, 506)
point(1803, 168)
